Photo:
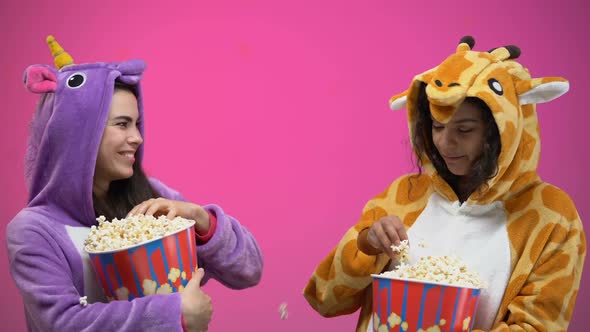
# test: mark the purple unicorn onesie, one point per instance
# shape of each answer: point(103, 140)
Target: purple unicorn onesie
point(45, 239)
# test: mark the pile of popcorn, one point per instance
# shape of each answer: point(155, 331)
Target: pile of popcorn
point(130, 231)
point(441, 269)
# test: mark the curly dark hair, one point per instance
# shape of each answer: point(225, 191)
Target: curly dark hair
point(124, 194)
point(484, 169)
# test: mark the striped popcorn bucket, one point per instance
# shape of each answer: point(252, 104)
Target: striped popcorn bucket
point(403, 305)
point(158, 266)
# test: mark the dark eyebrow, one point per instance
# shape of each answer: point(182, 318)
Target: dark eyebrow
point(466, 120)
point(123, 117)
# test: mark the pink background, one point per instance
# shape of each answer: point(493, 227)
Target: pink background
point(278, 112)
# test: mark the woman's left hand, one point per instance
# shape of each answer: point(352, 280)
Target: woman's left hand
point(171, 208)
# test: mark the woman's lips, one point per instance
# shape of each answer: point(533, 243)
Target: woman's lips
point(129, 156)
point(452, 159)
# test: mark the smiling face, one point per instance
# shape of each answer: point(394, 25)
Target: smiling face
point(460, 141)
point(120, 140)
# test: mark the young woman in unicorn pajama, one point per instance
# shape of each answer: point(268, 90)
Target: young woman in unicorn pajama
point(84, 160)
point(475, 134)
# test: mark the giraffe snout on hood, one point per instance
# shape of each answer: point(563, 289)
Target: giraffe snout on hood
point(444, 93)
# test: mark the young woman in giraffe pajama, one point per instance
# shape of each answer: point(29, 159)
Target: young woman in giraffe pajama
point(474, 131)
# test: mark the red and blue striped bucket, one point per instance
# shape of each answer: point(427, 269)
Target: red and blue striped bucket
point(404, 305)
point(156, 267)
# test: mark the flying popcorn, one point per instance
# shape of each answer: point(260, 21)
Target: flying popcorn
point(283, 310)
point(130, 231)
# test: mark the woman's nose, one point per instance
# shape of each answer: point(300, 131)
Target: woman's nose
point(135, 137)
point(447, 139)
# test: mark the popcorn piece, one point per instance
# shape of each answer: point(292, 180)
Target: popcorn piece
point(394, 320)
point(376, 321)
point(174, 274)
point(442, 322)
point(149, 287)
point(164, 289)
point(127, 232)
point(383, 328)
point(466, 323)
point(122, 293)
point(442, 269)
point(404, 326)
point(183, 275)
point(84, 301)
point(403, 250)
point(434, 328)
point(422, 244)
point(283, 310)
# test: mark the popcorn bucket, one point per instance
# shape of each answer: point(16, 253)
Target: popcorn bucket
point(158, 266)
point(412, 305)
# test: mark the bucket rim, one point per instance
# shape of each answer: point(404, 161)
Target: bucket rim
point(192, 225)
point(435, 283)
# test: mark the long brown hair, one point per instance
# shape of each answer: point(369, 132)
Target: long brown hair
point(124, 194)
point(484, 169)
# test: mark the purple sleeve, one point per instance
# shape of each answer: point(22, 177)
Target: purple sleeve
point(232, 255)
point(44, 277)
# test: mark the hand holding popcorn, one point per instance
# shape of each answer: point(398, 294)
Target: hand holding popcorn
point(172, 208)
point(384, 233)
point(196, 305)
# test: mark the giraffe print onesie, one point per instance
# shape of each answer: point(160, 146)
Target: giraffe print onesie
point(522, 235)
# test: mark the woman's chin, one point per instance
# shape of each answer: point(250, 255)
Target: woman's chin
point(458, 172)
point(125, 174)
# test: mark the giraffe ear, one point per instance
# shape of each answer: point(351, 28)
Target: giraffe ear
point(541, 90)
point(399, 101)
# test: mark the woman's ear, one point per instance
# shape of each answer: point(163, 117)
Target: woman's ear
point(40, 79)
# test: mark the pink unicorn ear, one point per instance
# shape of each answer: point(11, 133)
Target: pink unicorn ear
point(40, 79)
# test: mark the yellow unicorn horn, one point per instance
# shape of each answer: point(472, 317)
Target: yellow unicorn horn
point(61, 57)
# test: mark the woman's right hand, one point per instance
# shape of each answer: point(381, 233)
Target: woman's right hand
point(195, 304)
point(386, 232)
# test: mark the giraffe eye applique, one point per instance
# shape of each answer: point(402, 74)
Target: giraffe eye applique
point(76, 80)
point(496, 86)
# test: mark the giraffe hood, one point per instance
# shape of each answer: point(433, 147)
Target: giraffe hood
point(507, 88)
point(527, 231)
point(67, 128)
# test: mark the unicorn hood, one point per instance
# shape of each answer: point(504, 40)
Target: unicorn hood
point(510, 93)
point(67, 128)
